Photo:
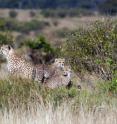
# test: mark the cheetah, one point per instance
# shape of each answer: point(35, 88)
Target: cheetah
point(48, 70)
point(54, 68)
point(60, 78)
point(18, 66)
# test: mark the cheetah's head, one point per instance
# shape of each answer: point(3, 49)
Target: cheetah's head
point(59, 62)
point(67, 71)
point(6, 50)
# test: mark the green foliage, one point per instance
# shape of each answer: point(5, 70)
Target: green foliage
point(109, 87)
point(2, 24)
point(33, 25)
point(13, 14)
point(13, 25)
point(109, 7)
point(89, 6)
point(5, 38)
point(17, 92)
point(46, 4)
point(39, 43)
point(62, 33)
point(61, 13)
point(41, 50)
point(92, 49)
point(32, 14)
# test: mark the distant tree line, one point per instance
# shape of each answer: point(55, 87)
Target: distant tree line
point(49, 3)
point(104, 6)
point(109, 7)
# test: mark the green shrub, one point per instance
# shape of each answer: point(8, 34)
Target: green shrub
point(2, 24)
point(109, 87)
point(33, 25)
point(58, 13)
point(42, 51)
point(5, 38)
point(55, 23)
point(62, 13)
point(13, 25)
point(62, 33)
point(13, 14)
point(32, 13)
point(92, 49)
point(39, 43)
point(108, 7)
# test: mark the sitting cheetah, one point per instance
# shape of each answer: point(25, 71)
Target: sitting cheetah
point(18, 66)
point(60, 78)
point(50, 70)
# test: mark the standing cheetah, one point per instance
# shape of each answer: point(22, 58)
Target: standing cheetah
point(60, 78)
point(18, 66)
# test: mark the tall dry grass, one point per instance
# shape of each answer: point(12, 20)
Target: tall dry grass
point(61, 115)
point(25, 102)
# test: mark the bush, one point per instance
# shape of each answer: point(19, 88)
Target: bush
point(6, 38)
point(13, 25)
point(13, 14)
point(109, 87)
point(33, 25)
point(42, 51)
point(62, 13)
point(39, 43)
point(108, 7)
point(92, 49)
point(62, 33)
point(32, 14)
point(55, 23)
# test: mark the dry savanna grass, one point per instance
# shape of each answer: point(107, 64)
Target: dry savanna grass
point(61, 115)
point(26, 102)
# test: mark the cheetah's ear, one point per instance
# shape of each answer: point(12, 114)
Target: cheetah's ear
point(56, 60)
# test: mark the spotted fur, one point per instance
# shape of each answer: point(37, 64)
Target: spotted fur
point(50, 70)
point(60, 78)
point(18, 66)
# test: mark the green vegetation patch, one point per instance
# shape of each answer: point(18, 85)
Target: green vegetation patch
point(62, 13)
point(93, 49)
point(18, 92)
point(23, 93)
point(14, 25)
